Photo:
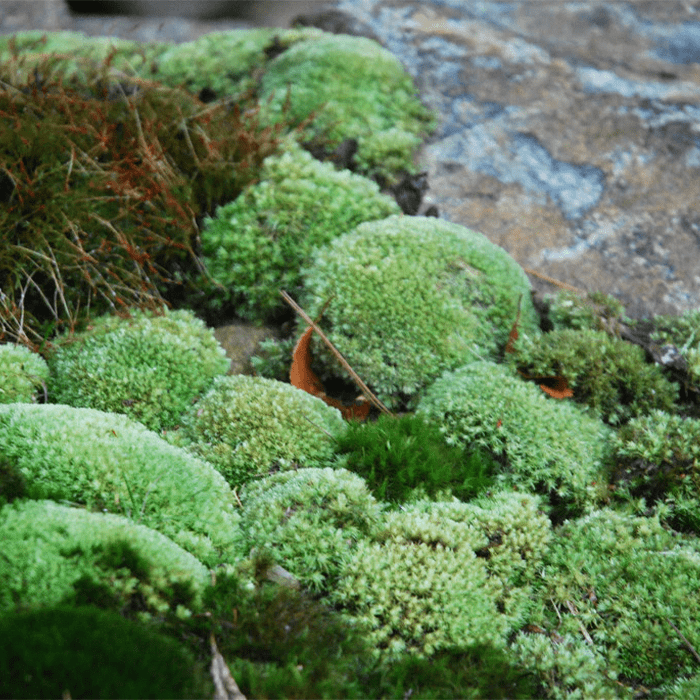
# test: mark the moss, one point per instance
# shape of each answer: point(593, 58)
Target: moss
point(109, 463)
point(151, 368)
point(355, 89)
point(594, 311)
point(544, 445)
point(399, 457)
point(223, 62)
point(568, 669)
point(250, 426)
point(410, 597)
point(606, 373)
point(627, 581)
point(257, 244)
point(657, 457)
point(273, 359)
point(309, 520)
point(506, 530)
point(56, 554)
point(412, 297)
point(83, 652)
point(23, 374)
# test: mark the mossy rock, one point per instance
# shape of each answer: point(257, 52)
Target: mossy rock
point(110, 463)
point(544, 445)
point(411, 297)
point(248, 427)
point(149, 367)
point(256, 245)
point(56, 554)
point(83, 652)
point(23, 374)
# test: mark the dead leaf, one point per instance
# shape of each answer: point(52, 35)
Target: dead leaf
point(513, 335)
point(557, 387)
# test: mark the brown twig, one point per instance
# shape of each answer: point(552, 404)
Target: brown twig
point(551, 280)
point(356, 378)
point(685, 641)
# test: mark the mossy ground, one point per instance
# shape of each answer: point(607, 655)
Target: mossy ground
point(577, 555)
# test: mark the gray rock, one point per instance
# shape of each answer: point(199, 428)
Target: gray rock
point(569, 134)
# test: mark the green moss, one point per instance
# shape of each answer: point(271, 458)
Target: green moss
point(83, 652)
point(223, 61)
point(151, 368)
point(627, 581)
point(23, 374)
point(55, 554)
point(399, 457)
point(273, 359)
point(109, 463)
point(250, 426)
point(257, 244)
point(567, 667)
point(657, 457)
point(412, 297)
point(544, 445)
point(595, 311)
point(309, 520)
point(355, 89)
point(606, 373)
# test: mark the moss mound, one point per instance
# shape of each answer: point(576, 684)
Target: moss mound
point(544, 445)
point(109, 463)
point(23, 374)
point(149, 367)
point(249, 427)
point(56, 554)
point(412, 297)
point(257, 244)
point(82, 652)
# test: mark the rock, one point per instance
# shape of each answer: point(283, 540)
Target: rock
point(569, 134)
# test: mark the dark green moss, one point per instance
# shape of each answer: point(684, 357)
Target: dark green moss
point(91, 653)
point(397, 456)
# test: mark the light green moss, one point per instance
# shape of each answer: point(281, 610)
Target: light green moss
point(251, 426)
point(627, 581)
point(568, 669)
point(149, 367)
point(110, 463)
point(55, 554)
point(23, 374)
point(595, 311)
point(309, 520)
point(411, 297)
point(684, 332)
point(257, 244)
point(419, 598)
point(507, 530)
point(356, 89)
point(606, 373)
point(545, 445)
point(223, 61)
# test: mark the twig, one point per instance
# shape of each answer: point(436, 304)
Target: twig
point(363, 387)
point(574, 612)
point(689, 646)
point(551, 280)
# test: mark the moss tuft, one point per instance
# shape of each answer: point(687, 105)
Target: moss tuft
point(23, 374)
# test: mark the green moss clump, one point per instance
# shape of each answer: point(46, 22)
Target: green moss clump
point(627, 581)
point(274, 358)
point(55, 554)
point(355, 89)
point(606, 373)
point(412, 297)
point(595, 311)
point(23, 374)
point(109, 463)
point(257, 244)
point(545, 446)
point(83, 652)
point(657, 457)
point(223, 62)
point(151, 368)
point(309, 521)
point(402, 457)
point(248, 427)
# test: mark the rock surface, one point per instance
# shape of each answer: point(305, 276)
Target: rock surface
point(569, 132)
